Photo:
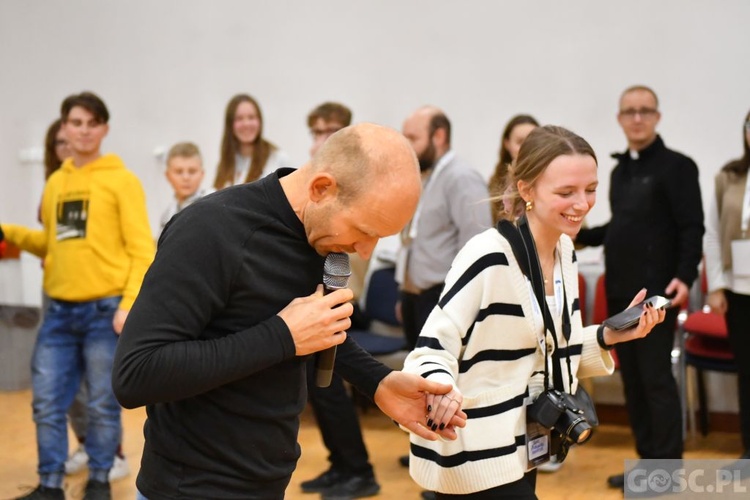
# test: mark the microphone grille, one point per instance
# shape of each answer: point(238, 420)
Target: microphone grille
point(336, 270)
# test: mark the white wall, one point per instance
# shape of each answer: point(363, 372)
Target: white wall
point(167, 68)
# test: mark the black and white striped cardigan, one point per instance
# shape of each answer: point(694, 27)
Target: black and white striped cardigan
point(482, 339)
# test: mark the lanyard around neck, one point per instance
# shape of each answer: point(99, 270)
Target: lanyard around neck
point(524, 249)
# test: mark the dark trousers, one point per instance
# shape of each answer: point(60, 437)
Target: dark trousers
point(414, 311)
point(339, 424)
point(738, 325)
point(523, 489)
point(651, 395)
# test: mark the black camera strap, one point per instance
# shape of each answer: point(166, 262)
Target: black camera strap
point(524, 249)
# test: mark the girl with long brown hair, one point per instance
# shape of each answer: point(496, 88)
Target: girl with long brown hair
point(513, 136)
point(245, 155)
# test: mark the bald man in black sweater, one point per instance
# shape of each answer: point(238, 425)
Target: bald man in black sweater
point(216, 343)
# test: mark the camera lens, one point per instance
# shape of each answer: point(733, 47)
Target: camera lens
point(574, 427)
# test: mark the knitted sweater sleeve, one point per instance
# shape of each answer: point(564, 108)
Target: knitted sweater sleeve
point(163, 354)
point(467, 287)
point(360, 369)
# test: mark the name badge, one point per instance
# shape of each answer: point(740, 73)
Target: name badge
point(537, 443)
point(741, 258)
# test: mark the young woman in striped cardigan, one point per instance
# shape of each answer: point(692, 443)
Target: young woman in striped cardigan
point(486, 335)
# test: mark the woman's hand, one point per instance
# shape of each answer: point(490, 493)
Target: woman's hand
point(717, 301)
point(650, 317)
point(404, 397)
point(442, 408)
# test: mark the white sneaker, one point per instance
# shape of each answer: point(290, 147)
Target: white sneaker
point(552, 466)
point(120, 468)
point(77, 461)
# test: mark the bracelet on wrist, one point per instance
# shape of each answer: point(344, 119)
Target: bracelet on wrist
point(600, 339)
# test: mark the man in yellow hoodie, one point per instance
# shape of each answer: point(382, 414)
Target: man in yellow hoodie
point(96, 244)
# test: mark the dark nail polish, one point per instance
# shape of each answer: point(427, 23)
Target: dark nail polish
point(442, 426)
point(429, 423)
point(429, 408)
point(434, 427)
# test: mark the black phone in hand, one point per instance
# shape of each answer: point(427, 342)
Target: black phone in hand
point(630, 316)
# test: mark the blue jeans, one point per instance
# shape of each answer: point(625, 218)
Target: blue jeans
point(76, 339)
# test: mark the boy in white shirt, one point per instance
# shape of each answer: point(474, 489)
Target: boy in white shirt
point(185, 174)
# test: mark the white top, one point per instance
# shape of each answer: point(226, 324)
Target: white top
point(276, 160)
point(717, 277)
point(175, 206)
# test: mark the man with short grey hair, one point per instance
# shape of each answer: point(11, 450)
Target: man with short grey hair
point(654, 193)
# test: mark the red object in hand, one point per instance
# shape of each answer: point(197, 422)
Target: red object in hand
point(9, 250)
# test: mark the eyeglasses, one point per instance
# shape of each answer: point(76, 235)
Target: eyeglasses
point(317, 133)
point(644, 113)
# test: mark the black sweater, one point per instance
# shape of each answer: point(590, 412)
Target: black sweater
point(656, 230)
point(204, 349)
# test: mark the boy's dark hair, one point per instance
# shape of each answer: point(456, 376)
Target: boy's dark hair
point(88, 101)
point(330, 112)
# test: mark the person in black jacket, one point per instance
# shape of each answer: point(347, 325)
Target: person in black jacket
point(217, 342)
point(654, 195)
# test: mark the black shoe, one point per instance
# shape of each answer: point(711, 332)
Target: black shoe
point(97, 490)
point(44, 493)
point(404, 460)
point(428, 495)
point(353, 487)
point(617, 481)
point(329, 478)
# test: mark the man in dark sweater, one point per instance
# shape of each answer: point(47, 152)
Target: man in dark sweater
point(654, 195)
point(216, 343)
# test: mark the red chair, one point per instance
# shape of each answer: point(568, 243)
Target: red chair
point(706, 348)
point(600, 302)
point(582, 299)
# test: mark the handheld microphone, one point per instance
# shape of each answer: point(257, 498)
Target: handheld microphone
point(336, 272)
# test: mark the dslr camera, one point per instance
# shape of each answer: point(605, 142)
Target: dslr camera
point(560, 412)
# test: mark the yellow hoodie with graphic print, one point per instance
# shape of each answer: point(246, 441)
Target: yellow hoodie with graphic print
point(96, 241)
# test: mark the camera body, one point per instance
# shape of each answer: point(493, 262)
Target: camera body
point(559, 411)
